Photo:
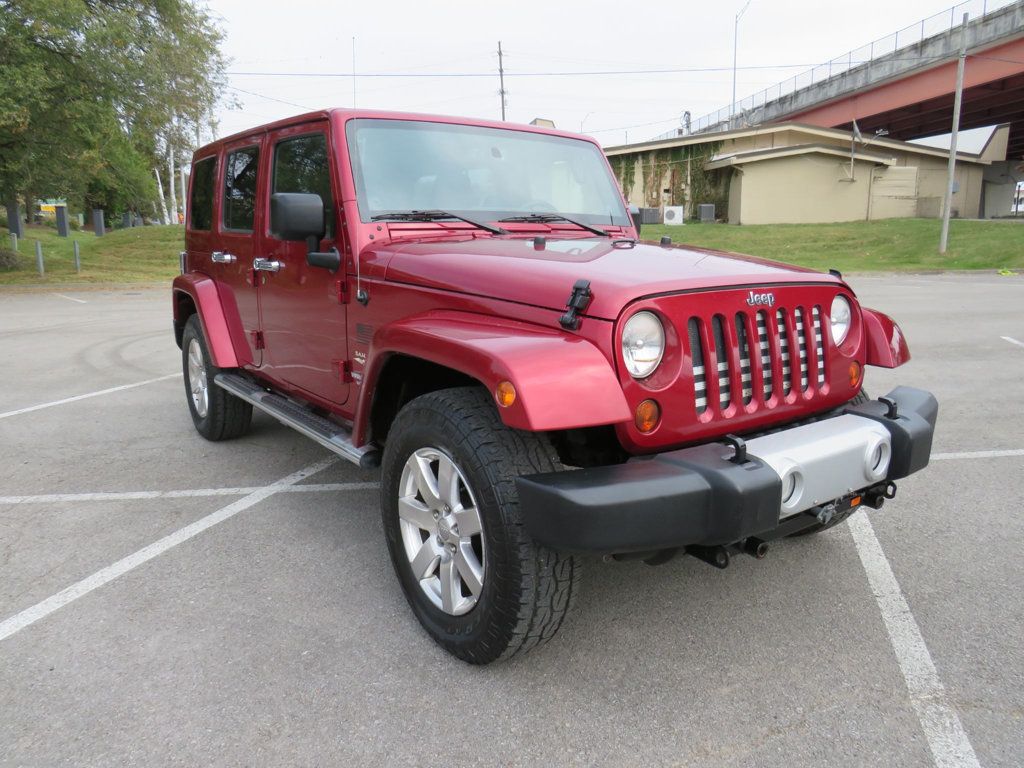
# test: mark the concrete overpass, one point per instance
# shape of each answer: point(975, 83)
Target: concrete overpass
point(907, 89)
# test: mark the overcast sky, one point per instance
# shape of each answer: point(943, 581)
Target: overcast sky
point(777, 39)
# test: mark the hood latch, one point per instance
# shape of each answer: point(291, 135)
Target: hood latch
point(577, 302)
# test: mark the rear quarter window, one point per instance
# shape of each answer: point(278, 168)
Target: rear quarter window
point(201, 203)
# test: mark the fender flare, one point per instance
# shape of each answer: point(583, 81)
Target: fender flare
point(206, 298)
point(562, 381)
point(885, 342)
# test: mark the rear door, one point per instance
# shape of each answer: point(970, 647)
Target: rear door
point(241, 215)
point(303, 318)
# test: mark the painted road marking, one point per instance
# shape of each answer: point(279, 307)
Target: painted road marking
point(88, 395)
point(55, 602)
point(942, 727)
point(1012, 341)
point(978, 454)
point(71, 298)
point(54, 498)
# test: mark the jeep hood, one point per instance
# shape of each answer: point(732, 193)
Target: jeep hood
point(517, 270)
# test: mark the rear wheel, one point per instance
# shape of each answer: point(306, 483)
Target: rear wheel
point(217, 414)
point(862, 397)
point(479, 585)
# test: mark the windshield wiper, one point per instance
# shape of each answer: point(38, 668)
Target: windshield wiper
point(541, 218)
point(435, 215)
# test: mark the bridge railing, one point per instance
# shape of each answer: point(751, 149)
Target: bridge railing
point(937, 24)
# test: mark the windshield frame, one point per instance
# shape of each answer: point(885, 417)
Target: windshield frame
point(620, 219)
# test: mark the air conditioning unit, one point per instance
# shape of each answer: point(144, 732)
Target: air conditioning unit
point(674, 215)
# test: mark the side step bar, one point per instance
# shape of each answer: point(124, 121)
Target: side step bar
point(330, 435)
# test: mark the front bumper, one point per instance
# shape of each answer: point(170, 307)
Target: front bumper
point(703, 496)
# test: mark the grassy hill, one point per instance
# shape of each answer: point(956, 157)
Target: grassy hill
point(864, 246)
point(137, 255)
point(150, 254)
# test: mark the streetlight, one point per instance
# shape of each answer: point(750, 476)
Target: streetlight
point(584, 120)
point(735, 41)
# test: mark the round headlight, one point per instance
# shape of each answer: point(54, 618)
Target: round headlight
point(839, 319)
point(643, 344)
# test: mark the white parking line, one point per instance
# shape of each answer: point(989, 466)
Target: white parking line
point(41, 610)
point(71, 298)
point(87, 395)
point(978, 454)
point(54, 498)
point(1012, 341)
point(942, 727)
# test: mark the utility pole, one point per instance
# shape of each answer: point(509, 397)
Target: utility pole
point(735, 48)
point(501, 79)
point(951, 168)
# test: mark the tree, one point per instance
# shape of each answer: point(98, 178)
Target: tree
point(95, 93)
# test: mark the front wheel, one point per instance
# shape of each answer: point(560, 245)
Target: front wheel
point(479, 585)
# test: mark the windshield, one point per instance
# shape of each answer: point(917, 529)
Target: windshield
point(488, 173)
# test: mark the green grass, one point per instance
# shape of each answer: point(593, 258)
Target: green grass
point(864, 246)
point(150, 254)
point(137, 255)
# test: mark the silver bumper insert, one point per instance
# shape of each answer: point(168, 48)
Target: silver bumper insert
point(825, 460)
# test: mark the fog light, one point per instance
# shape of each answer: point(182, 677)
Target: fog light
point(855, 372)
point(505, 393)
point(648, 413)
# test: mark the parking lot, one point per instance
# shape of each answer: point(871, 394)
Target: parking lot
point(165, 600)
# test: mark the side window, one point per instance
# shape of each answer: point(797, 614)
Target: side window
point(201, 206)
point(240, 188)
point(301, 165)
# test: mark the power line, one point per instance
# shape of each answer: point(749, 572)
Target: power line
point(573, 73)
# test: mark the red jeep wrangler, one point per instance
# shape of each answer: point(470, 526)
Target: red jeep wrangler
point(467, 304)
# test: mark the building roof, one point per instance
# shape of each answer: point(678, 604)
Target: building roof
point(776, 153)
point(813, 132)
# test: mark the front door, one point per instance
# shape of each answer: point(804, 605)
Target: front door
point(240, 218)
point(303, 319)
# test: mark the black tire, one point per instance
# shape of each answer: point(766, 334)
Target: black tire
point(227, 416)
point(527, 589)
point(862, 397)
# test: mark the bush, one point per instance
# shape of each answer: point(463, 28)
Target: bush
point(9, 260)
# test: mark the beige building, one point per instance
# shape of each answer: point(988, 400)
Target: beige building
point(792, 173)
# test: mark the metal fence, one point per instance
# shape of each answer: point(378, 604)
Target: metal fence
point(885, 46)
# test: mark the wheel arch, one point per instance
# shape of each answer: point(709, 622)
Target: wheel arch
point(562, 381)
point(198, 295)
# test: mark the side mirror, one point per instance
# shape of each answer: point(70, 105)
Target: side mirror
point(634, 214)
point(297, 216)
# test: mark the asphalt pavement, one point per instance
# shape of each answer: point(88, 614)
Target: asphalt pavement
point(169, 601)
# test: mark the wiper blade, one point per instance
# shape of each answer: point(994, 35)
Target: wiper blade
point(436, 216)
point(540, 218)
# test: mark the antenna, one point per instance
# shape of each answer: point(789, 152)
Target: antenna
point(353, 72)
point(501, 79)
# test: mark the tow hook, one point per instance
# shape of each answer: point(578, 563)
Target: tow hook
point(875, 496)
point(826, 513)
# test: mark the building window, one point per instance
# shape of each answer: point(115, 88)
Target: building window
point(240, 189)
point(301, 165)
point(201, 206)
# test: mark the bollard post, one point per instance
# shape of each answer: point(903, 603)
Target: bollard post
point(14, 225)
point(62, 221)
point(39, 257)
point(78, 258)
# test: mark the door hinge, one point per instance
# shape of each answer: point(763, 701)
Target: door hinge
point(343, 370)
point(257, 339)
point(341, 288)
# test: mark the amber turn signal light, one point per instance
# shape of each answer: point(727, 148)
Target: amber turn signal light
point(505, 393)
point(648, 414)
point(854, 373)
